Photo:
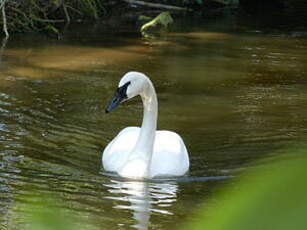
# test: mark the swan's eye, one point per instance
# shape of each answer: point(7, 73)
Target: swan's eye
point(120, 95)
point(122, 91)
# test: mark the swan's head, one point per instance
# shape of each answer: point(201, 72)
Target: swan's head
point(131, 85)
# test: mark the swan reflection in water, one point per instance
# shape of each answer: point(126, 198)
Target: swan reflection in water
point(143, 198)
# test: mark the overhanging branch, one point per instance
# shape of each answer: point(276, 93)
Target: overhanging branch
point(4, 19)
point(156, 5)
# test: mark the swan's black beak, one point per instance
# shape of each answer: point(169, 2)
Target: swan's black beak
point(120, 95)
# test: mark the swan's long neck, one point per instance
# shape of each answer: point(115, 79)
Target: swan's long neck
point(146, 139)
point(143, 149)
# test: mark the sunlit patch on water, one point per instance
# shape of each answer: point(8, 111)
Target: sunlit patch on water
point(45, 62)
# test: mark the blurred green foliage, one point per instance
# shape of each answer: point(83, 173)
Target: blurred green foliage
point(38, 15)
point(50, 220)
point(271, 196)
point(44, 214)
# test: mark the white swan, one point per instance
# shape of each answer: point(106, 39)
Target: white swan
point(144, 152)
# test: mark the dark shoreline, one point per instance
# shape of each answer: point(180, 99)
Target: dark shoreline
point(47, 17)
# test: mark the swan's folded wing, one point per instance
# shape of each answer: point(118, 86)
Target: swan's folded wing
point(170, 157)
point(116, 152)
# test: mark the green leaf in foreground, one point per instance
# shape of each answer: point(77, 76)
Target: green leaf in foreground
point(42, 212)
point(51, 219)
point(269, 197)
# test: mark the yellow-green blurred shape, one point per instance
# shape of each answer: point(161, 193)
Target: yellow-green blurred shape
point(50, 220)
point(163, 19)
point(41, 212)
point(273, 196)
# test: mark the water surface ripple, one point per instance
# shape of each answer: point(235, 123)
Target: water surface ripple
point(235, 96)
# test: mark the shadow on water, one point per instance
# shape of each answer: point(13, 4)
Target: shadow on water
point(234, 96)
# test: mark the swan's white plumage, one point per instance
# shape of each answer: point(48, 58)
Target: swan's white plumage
point(144, 152)
point(170, 157)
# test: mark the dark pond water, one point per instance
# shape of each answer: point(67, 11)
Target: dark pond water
point(235, 94)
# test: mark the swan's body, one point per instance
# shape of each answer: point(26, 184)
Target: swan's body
point(169, 156)
point(144, 152)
